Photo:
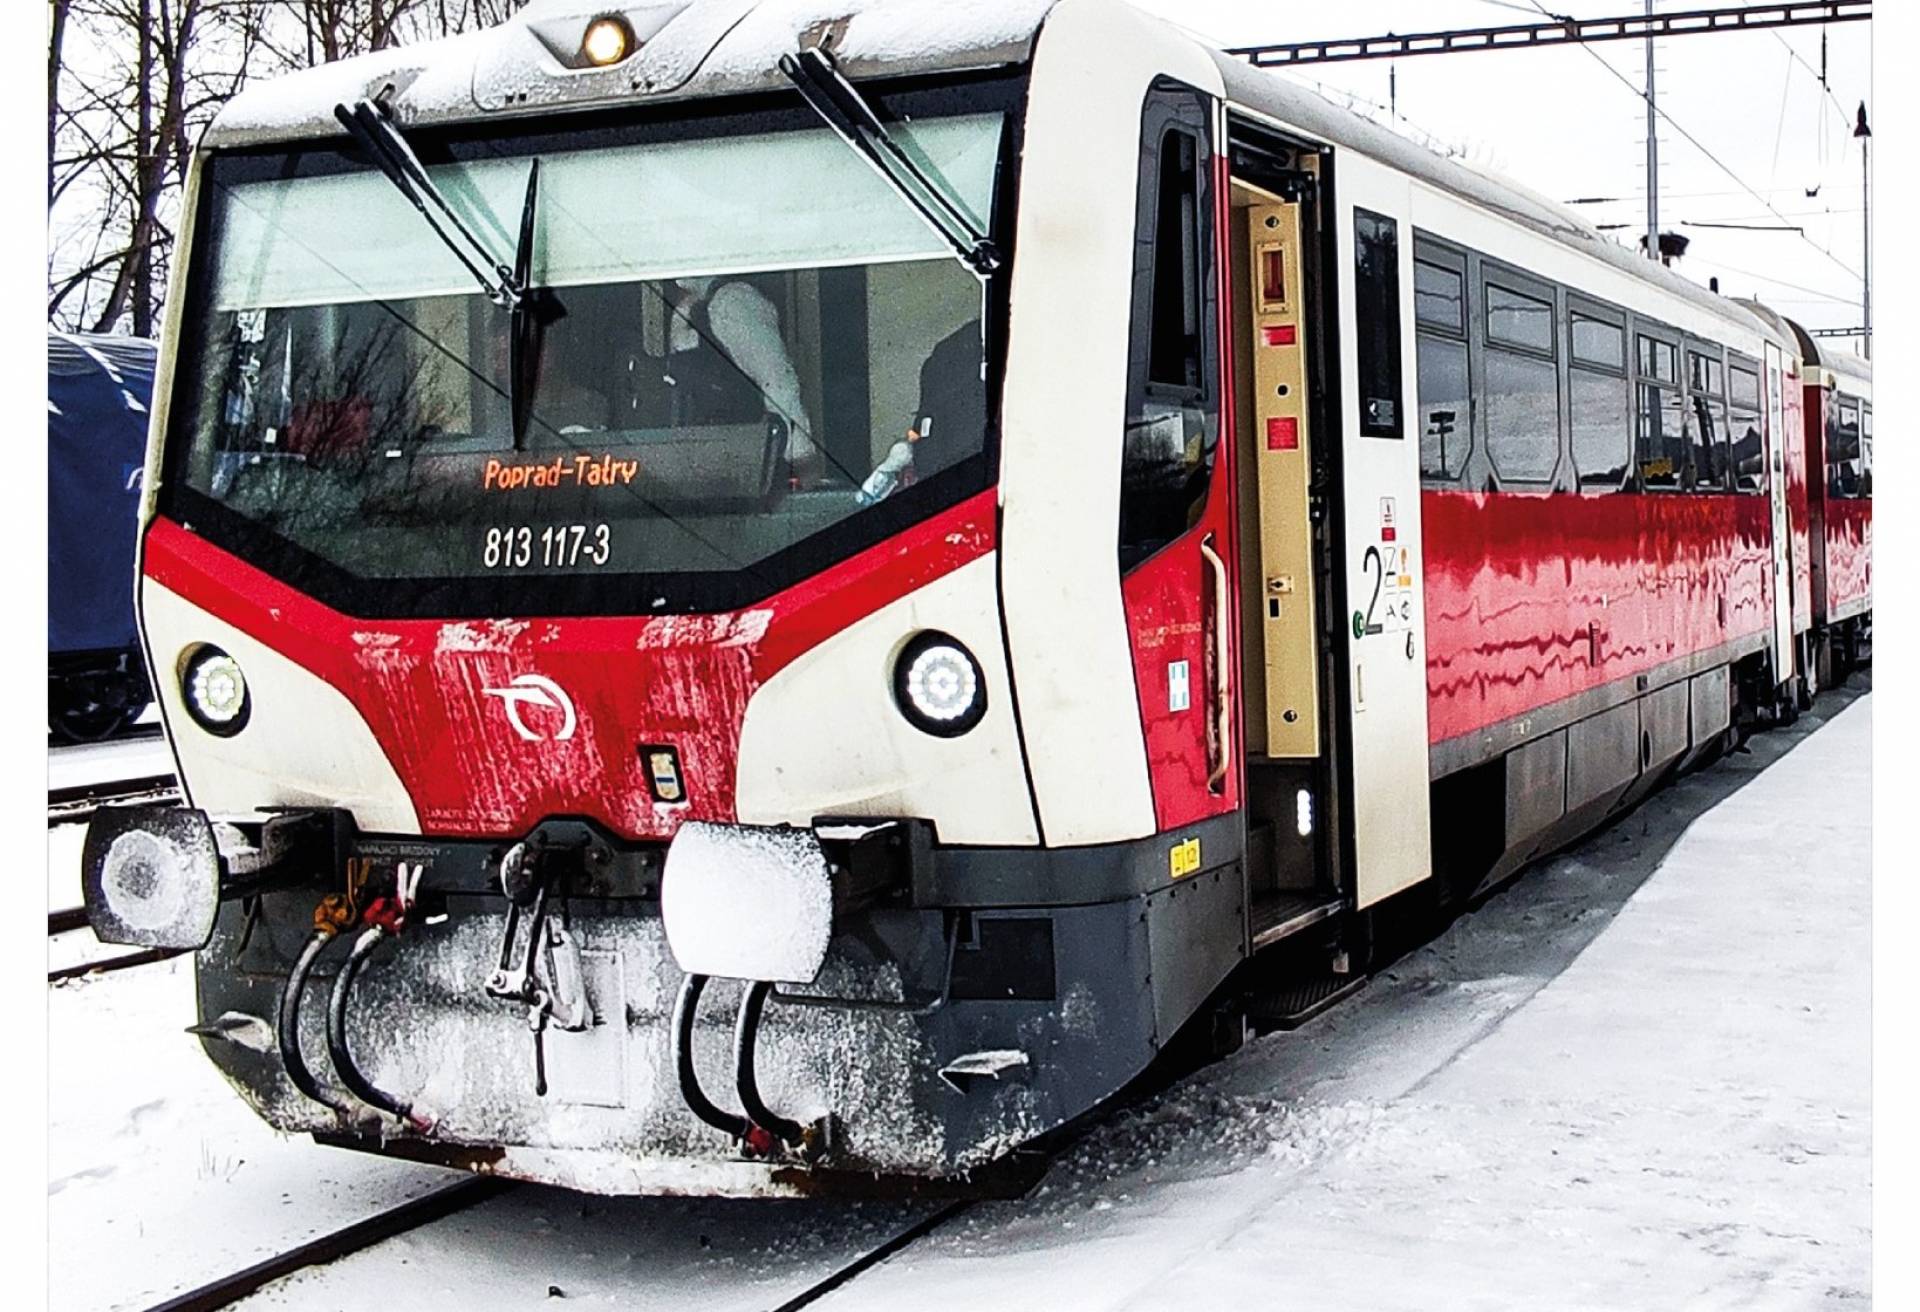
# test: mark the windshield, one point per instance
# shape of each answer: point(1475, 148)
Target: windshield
point(748, 357)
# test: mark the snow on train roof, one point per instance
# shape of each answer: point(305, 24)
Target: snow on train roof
point(697, 48)
point(688, 48)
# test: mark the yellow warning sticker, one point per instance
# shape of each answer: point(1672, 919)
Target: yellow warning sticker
point(1184, 860)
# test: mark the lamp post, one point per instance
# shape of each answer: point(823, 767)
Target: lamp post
point(1864, 134)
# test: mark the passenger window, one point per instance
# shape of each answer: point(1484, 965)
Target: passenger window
point(1703, 373)
point(1172, 427)
point(1522, 402)
point(1659, 360)
point(1708, 434)
point(1843, 450)
point(1602, 430)
point(1662, 441)
point(1446, 425)
point(1439, 297)
point(1376, 290)
point(1598, 342)
point(1748, 449)
point(1866, 451)
point(1517, 319)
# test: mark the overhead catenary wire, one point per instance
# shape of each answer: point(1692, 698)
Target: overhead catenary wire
point(1698, 145)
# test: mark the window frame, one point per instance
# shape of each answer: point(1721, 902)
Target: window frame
point(1439, 254)
point(1714, 354)
point(1581, 306)
point(1841, 404)
point(1393, 366)
point(1652, 330)
point(1171, 106)
point(1448, 260)
point(1746, 364)
point(1193, 290)
point(1493, 272)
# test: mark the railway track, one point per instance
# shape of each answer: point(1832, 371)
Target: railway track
point(72, 920)
point(458, 1197)
point(875, 1256)
point(134, 734)
point(76, 804)
point(107, 965)
point(230, 1289)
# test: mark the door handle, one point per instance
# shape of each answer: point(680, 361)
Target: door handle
point(1223, 687)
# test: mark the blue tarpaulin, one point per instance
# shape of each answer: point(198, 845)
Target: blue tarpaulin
point(98, 389)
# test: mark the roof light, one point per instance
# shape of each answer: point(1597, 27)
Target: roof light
point(609, 39)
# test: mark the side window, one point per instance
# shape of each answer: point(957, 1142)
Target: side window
point(1748, 448)
point(1376, 298)
point(1598, 403)
point(1707, 411)
point(1843, 448)
point(1173, 421)
point(1174, 357)
point(1521, 384)
point(1659, 415)
point(1866, 451)
point(1440, 319)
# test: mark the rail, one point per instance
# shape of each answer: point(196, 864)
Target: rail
point(75, 804)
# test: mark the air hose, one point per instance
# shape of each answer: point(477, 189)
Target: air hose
point(684, 1008)
point(357, 1084)
point(328, 918)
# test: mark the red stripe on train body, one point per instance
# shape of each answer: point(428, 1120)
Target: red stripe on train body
point(1532, 599)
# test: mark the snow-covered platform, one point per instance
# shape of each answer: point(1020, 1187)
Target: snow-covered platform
point(1678, 1117)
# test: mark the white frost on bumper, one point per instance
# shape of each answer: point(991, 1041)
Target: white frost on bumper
point(747, 903)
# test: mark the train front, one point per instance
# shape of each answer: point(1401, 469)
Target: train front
point(570, 580)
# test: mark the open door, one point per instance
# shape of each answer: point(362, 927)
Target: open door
point(1279, 355)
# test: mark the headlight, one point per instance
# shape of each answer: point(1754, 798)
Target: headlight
point(215, 691)
point(608, 40)
point(938, 685)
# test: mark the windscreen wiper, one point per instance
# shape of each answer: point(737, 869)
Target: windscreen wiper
point(509, 288)
point(376, 134)
point(841, 107)
point(533, 309)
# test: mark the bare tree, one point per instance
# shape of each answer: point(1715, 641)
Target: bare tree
point(132, 84)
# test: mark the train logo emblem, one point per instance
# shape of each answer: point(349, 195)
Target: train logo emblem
point(536, 690)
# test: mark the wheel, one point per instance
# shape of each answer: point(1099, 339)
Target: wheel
point(88, 709)
point(84, 720)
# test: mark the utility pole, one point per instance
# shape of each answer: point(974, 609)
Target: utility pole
point(1864, 135)
point(1653, 153)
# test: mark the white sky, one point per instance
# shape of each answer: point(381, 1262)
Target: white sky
point(1557, 121)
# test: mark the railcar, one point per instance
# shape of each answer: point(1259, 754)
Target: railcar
point(1829, 482)
point(98, 388)
point(805, 589)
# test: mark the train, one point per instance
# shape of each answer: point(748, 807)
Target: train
point(98, 389)
point(752, 599)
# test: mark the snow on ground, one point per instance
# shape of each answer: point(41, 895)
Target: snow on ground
point(1551, 1106)
point(158, 1175)
point(1635, 1078)
point(63, 866)
point(93, 763)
